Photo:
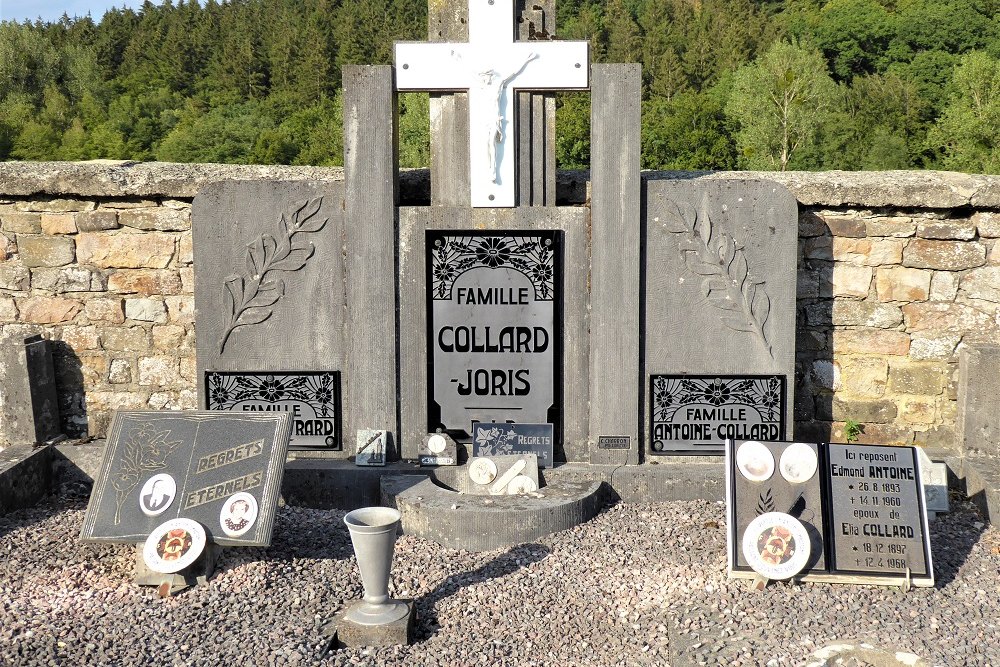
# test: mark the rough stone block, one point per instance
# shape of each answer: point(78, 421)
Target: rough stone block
point(93, 367)
point(349, 634)
point(156, 219)
point(37, 250)
point(942, 316)
point(982, 283)
point(874, 434)
point(68, 279)
point(97, 221)
point(185, 249)
point(57, 205)
point(946, 255)
point(120, 371)
point(850, 280)
point(878, 411)
point(853, 250)
point(187, 280)
point(181, 309)
point(147, 282)
point(917, 410)
point(826, 374)
point(105, 310)
point(844, 226)
point(82, 338)
point(897, 283)
point(820, 247)
point(146, 310)
point(987, 223)
point(870, 341)
point(961, 230)
point(896, 227)
point(125, 250)
point(124, 339)
point(8, 309)
point(168, 337)
point(49, 310)
point(21, 223)
point(811, 224)
point(864, 376)
point(944, 285)
point(936, 437)
point(14, 277)
point(158, 371)
point(847, 312)
point(807, 285)
point(58, 223)
point(885, 251)
point(930, 345)
point(994, 256)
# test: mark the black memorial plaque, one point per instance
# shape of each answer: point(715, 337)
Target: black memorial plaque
point(502, 439)
point(494, 305)
point(613, 442)
point(204, 458)
point(877, 515)
point(696, 414)
point(312, 398)
point(793, 486)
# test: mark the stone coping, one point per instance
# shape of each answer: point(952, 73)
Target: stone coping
point(125, 179)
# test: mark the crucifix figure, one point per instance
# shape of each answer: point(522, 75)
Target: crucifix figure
point(492, 67)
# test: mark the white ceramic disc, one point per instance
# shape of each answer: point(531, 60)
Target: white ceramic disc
point(174, 545)
point(436, 443)
point(157, 494)
point(755, 461)
point(521, 484)
point(776, 545)
point(482, 471)
point(238, 514)
point(798, 463)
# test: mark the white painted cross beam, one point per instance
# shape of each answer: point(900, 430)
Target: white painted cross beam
point(492, 67)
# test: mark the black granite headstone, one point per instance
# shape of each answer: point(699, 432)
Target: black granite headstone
point(164, 465)
point(500, 439)
point(696, 414)
point(312, 398)
point(494, 328)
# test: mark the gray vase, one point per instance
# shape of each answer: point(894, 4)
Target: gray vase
point(373, 533)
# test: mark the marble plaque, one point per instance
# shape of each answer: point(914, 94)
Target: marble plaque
point(372, 447)
point(168, 465)
point(312, 398)
point(438, 449)
point(494, 327)
point(503, 475)
point(497, 439)
point(696, 414)
point(877, 517)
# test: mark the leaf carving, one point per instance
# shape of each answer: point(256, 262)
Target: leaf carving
point(728, 283)
point(248, 298)
point(766, 503)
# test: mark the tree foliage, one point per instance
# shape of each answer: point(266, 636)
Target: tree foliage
point(794, 84)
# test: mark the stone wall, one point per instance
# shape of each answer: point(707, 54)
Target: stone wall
point(897, 271)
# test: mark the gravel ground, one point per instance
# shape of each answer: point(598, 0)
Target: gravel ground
point(638, 585)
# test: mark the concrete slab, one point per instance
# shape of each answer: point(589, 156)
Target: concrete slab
point(25, 476)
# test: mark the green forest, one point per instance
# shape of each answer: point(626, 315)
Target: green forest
point(727, 84)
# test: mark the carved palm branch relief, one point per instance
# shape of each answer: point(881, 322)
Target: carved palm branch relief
point(727, 283)
point(249, 297)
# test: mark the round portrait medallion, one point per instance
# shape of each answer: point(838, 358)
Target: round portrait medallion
point(798, 463)
point(755, 461)
point(436, 443)
point(238, 514)
point(482, 471)
point(776, 545)
point(157, 494)
point(521, 484)
point(174, 545)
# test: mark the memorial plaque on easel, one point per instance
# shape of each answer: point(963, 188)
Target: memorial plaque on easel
point(220, 469)
point(877, 510)
point(494, 328)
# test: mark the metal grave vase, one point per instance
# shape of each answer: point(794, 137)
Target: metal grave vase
point(373, 534)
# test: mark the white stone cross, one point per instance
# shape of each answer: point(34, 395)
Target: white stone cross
point(492, 67)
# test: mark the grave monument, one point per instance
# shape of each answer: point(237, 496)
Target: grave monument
point(656, 320)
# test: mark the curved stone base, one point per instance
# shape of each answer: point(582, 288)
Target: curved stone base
point(483, 523)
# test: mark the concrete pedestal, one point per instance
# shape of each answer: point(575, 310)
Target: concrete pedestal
point(346, 633)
